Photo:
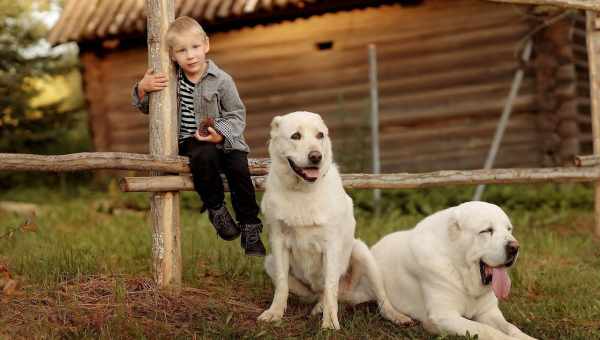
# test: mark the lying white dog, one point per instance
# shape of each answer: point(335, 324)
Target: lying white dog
point(449, 271)
point(311, 223)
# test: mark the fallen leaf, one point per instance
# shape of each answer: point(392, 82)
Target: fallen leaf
point(10, 287)
point(29, 224)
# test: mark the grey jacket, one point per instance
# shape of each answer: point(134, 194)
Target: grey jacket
point(214, 95)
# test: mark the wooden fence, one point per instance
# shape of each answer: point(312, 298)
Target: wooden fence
point(163, 160)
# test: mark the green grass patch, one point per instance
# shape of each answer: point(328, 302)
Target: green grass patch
point(85, 271)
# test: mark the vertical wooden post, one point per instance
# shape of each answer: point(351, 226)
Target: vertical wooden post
point(166, 247)
point(593, 47)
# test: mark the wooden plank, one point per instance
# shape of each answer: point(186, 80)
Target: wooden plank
point(390, 68)
point(593, 46)
point(399, 180)
point(468, 75)
point(353, 98)
point(418, 43)
point(395, 133)
point(392, 55)
point(108, 160)
point(529, 156)
point(590, 5)
point(164, 206)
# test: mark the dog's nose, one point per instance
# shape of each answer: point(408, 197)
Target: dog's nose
point(512, 248)
point(315, 157)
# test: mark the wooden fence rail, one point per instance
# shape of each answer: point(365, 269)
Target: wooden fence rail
point(108, 161)
point(396, 180)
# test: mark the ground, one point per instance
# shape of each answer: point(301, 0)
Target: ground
point(82, 266)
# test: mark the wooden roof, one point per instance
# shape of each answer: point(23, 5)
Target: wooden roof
point(93, 19)
point(97, 19)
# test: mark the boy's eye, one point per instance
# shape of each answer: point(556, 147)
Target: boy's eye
point(296, 136)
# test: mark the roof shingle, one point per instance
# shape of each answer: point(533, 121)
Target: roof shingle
point(94, 19)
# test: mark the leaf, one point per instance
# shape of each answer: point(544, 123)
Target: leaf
point(10, 287)
point(29, 224)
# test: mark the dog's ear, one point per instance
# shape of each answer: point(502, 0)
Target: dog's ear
point(275, 122)
point(274, 127)
point(454, 228)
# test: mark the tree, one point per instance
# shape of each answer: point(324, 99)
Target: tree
point(23, 128)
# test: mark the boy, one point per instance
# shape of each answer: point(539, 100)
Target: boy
point(212, 119)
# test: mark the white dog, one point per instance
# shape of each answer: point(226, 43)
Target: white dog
point(311, 223)
point(449, 271)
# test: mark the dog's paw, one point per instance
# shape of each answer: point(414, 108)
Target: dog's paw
point(317, 309)
point(330, 323)
point(396, 317)
point(270, 315)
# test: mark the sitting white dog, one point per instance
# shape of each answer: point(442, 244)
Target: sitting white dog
point(449, 271)
point(311, 223)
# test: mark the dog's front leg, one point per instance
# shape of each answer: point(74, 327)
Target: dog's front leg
point(280, 279)
point(445, 319)
point(494, 318)
point(330, 291)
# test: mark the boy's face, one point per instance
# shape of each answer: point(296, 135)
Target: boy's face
point(189, 51)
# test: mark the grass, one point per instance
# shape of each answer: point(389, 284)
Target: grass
point(85, 272)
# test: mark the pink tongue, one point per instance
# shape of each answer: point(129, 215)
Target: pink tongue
point(500, 283)
point(311, 173)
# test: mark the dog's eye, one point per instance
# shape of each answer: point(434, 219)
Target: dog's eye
point(296, 136)
point(320, 135)
point(488, 230)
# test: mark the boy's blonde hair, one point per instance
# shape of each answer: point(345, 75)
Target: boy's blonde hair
point(183, 25)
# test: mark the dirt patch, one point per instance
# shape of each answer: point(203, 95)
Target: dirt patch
point(95, 305)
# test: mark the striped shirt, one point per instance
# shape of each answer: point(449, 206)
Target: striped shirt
point(187, 126)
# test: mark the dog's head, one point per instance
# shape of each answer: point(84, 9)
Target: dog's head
point(484, 233)
point(299, 141)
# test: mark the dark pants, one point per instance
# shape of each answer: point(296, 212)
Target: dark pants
point(207, 162)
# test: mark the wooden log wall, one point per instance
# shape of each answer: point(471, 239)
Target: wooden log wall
point(444, 73)
point(578, 43)
point(556, 79)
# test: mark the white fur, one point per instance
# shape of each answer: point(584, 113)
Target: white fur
point(431, 272)
point(311, 225)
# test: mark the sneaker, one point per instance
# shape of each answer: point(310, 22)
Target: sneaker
point(251, 241)
point(224, 224)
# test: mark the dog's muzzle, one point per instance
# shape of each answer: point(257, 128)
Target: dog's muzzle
point(512, 251)
point(309, 174)
point(314, 157)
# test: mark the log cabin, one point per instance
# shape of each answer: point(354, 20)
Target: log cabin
point(445, 69)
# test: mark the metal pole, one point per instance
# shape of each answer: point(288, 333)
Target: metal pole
point(374, 119)
point(514, 89)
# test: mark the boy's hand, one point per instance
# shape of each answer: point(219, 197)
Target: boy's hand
point(213, 136)
point(152, 82)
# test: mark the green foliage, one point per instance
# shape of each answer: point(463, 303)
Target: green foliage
point(22, 127)
point(524, 197)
